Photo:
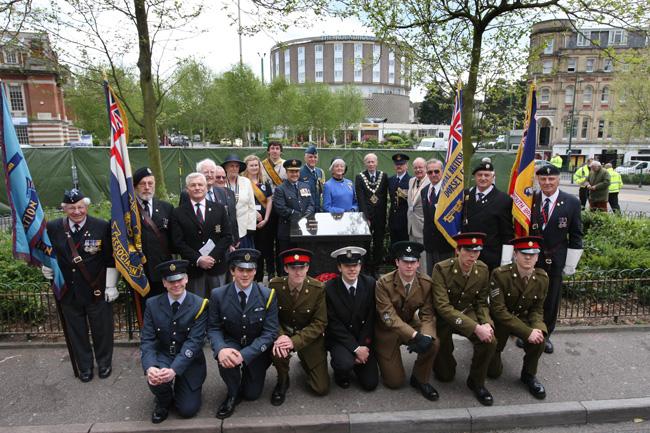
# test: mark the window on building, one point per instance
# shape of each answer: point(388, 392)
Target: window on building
point(571, 129)
point(548, 46)
point(608, 65)
point(338, 75)
point(301, 77)
point(338, 48)
point(319, 76)
point(318, 62)
point(338, 60)
point(584, 38)
point(547, 67)
point(568, 95)
point(358, 75)
point(617, 37)
point(391, 67)
point(545, 95)
point(16, 97)
point(21, 132)
point(277, 63)
point(572, 64)
point(376, 63)
point(318, 49)
point(589, 66)
point(587, 95)
point(402, 70)
point(301, 63)
point(11, 57)
point(601, 128)
point(287, 66)
point(584, 130)
point(604, 96)
point(375, 76)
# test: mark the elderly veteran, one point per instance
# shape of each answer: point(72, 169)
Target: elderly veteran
point(460, 296)
point(405, 317)
point(351, 320)
point(242, 325)
point(517, 293)
point(313, 176)
point(338, 192)
point(171, 344)
point(303, 318)
point(83, 249)
point(398, 186)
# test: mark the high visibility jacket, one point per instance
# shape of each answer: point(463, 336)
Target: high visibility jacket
point(557, 161)
point(581, 175)
point(616, 181)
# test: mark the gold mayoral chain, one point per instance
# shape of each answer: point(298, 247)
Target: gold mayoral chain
point(373, 198)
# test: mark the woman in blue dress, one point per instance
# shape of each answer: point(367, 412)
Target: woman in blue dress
point(338, 192)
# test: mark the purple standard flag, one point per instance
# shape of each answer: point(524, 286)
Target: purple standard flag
point(30, 240)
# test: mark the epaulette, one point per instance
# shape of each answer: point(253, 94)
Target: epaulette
point(270, 299)
point(203, 305)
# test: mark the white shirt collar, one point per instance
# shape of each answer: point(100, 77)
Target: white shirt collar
point(486, 192)
point(347, 286)
point(179, 300)
point(81, 224)
point(552, 197)
point(202, 203)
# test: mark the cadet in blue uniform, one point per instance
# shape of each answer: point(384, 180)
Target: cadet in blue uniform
point(83, 250)
point(242, 326)
point(398, 186)
point(292, 200)
point(171, 344)
point(313, 176)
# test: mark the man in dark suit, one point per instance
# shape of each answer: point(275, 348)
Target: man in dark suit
point(351, 321)
point(226, 197)
point(83, 249)
point(201, 235)
point(556, 217)
point(398, 186)
point(242, 325)
point(156, 227)
point(436, 246)
point(372, 190)
point(292, 201)
point(208, 168)
point(171, 344)
point(488, 210)
point(313, 176)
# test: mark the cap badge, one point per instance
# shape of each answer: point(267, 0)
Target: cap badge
point(473, 240)
point(247, 257)
point(530, 243)
point(349, 254)
point(294, 163)
point(296, 257)
point(172, 267)
point(408, 249)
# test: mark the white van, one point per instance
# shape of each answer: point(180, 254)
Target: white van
point(634, 167)
point(432, 143)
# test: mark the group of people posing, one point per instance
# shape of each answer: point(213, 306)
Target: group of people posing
point(206, 259)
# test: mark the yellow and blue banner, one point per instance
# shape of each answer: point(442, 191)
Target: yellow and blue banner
point(523, 170)
point(449, 210)
point(31, 242)
point(126, 230)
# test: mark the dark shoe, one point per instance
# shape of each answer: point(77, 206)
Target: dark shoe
point(535, 387)
point(482, 394)
point(159, 414)
point(279, 393)
point(426, 389)
point(227, 408)
point(104, 372)
point(86, 376)
point(548, 346)
point(520, 343)
point(342, 380)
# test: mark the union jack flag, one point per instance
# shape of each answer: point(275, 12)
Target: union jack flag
point(449, 210)
point(126, 231)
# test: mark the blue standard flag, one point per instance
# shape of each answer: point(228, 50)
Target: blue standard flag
point(126, 231)
point(449, 210)
point(30, 240)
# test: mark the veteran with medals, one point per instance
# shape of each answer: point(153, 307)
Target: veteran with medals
point(313, 176)
point(517, 293)
point(83, 250)
point(398, 186)
point(460, 297)
point(171, 344)
point(303, 317)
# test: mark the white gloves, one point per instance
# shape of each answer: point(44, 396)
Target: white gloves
point(506, 254)
point(48, 273)
point(111, 293)
point(572, 259)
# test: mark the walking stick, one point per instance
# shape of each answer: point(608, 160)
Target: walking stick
point(138, 308)
point(73, 360)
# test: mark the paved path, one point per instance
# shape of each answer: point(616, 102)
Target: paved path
point(589, 364)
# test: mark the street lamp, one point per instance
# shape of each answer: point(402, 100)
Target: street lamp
point(573, 109)
point(262, 56)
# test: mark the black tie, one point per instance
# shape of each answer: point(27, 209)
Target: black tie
point(353, 291)
point(76, 227)
point(407, 288)
point(145, 206)
point(417, 183)
point(295, 186)
point(372, 178)
point(545, 209)
point(199, 214)
point(175, 306)
point(480, 196)
point(242, 300)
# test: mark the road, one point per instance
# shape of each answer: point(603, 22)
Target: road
point(631, 198)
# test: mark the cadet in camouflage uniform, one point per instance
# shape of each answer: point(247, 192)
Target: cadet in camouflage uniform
point(303, 318)
point(517, 293)
point(460, 297)
point(399, 295)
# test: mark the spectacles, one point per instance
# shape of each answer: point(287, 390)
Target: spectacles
point(436, 171)
point(220, 177)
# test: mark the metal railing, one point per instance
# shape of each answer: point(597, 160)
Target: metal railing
point(29, 309)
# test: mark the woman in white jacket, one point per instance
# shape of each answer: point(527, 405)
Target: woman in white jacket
point(243, 190)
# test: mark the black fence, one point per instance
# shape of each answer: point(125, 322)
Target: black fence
point(29, 310)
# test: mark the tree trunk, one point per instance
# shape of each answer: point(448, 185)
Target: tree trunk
point(149, 101)
point(468, 101)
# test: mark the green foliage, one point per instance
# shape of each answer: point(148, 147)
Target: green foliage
point(633, 179)
point(437, 106)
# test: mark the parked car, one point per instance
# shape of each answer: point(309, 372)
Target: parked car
point(432, 144)
point(634, 167)
point(180, 140)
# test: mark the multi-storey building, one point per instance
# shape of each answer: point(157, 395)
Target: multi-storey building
point(574, 71)
point(30, 74)
point(378, 70)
